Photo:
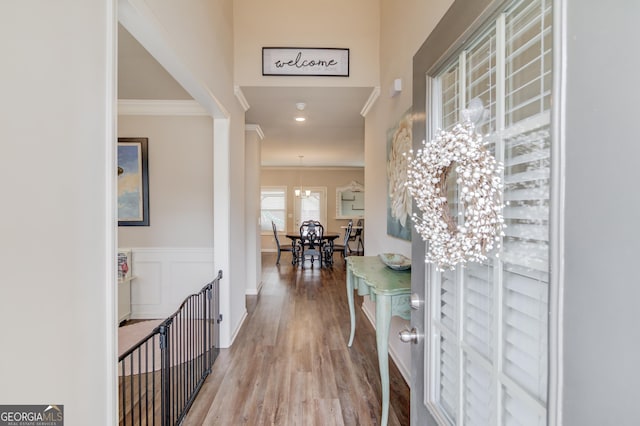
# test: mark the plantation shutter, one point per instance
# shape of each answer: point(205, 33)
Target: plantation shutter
point(447, 324)
point(490, 318)
point(478, 344)
point(525, 254)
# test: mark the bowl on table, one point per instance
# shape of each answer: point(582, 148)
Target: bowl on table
point(395, 261)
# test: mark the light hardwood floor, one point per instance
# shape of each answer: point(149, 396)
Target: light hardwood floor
point(290, 364)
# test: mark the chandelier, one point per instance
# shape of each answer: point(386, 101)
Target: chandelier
point(299, 191)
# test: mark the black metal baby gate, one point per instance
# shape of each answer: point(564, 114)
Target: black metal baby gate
point(161, 375)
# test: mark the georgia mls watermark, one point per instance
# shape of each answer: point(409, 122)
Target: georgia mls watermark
point(32, 415)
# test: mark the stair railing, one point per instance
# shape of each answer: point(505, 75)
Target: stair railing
point(160, 376)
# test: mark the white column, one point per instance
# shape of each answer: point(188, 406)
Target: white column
point(222, 221)
point(253, 150)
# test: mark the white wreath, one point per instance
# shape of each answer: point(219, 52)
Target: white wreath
point(480, 193)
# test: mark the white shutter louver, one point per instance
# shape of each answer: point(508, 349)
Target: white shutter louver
point(478, 309)
point(449, 377)
point(481, 78)
point(450, 97)
point(479, 395)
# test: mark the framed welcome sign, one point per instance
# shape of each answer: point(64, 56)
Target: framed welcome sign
point(302, 61)
point(133, 182)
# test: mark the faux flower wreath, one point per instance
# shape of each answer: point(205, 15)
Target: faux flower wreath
point(480, 193)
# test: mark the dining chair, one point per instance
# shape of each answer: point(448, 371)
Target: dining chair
point(311, 234)
point(357, 237)
point(281, 247)
point(344, 248)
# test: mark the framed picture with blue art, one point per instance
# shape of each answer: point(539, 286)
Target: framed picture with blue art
point(133, 182)
point(398, 198)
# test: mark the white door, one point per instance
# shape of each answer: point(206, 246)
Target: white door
point(482, 351)
point(310, 207)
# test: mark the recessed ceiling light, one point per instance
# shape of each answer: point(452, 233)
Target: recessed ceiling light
point(300, 117)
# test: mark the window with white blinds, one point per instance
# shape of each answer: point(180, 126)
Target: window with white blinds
point(273, 208)
point(488, 358)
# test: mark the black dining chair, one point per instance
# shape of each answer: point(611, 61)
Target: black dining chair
point(311, 234)
point(281, 247)
point(344, 248)
point(357, 237)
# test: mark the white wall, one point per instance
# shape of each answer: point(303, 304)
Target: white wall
point(173, 256)
point(180, 181)
point(289, 23)
point(57, 223)
point(417, 19)
point(193, 41)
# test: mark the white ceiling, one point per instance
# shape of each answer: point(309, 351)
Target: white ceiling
point(332, 135)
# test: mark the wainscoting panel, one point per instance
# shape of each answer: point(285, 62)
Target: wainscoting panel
point(147, 289)
point(164, 277)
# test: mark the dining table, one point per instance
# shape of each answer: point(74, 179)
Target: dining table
point(327, 242)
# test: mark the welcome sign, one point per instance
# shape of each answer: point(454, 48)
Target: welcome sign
point(297, 61)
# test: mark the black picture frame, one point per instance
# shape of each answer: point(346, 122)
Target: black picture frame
point(133, 182)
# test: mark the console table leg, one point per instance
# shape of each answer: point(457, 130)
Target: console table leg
point(352, 312)
point(383, 322)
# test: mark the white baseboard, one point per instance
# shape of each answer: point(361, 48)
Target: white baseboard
point(405, 370)
point(236, 331)
point(254, 291)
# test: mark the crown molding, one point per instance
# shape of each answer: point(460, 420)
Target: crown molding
point(254, 128)
point(160, 107)
point(375, 93)
point(243, 101)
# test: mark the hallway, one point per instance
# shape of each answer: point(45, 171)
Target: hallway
point(290, 364)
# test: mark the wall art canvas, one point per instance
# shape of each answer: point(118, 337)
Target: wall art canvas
point(133, 182)
point(398, 197)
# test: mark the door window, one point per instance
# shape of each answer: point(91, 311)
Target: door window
point(311, 207)
point(489, 353)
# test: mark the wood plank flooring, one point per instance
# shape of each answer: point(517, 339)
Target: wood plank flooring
point(290, 364)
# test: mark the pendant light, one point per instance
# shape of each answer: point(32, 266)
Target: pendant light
point(299, 191)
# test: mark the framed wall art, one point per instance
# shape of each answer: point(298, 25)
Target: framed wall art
point(398, 197)
point(133, 182)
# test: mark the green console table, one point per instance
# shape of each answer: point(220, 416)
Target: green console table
point(390, 290)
